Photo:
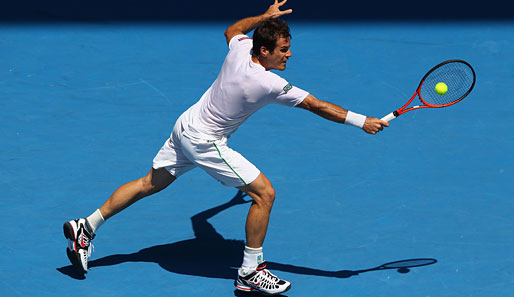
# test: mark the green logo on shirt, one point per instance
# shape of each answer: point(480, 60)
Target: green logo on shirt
point(287, 88)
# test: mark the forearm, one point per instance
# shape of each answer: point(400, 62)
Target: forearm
point(338, 114)
point(324, 109)
point(330, 111)
point(247, 24)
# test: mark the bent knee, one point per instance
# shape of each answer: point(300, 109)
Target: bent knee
point(261, 190)
point(266, 197)
point(152, 185)
point(270, 194)
point(146, 185)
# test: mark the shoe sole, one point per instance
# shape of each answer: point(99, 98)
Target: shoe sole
point(73, 256)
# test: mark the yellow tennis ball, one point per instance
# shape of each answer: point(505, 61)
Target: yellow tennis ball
point(441, 88)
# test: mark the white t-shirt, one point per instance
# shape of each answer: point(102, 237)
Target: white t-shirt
point(241, 88)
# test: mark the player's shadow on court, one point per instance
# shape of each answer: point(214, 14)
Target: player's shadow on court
point(211, 255)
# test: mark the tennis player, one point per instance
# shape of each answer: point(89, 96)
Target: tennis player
point(199, 139)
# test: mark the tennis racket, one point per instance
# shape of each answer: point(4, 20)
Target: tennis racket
point(459, 78)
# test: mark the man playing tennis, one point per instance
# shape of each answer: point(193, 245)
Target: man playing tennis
point(199, 139)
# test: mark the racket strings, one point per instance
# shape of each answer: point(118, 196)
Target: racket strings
point(459, 78)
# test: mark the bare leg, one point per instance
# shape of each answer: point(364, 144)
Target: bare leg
point(126, 195)
point(263, 196)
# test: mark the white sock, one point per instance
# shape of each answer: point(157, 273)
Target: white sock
point(95, 220)
point(252, 257)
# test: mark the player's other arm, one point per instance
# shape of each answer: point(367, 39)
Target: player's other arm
point(248, 24)
point(338, 114)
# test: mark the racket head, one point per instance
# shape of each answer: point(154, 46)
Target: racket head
point(409, 263)
point(458, 75)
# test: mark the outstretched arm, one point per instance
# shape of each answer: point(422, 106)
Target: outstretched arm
point(248, 24)
point(338, 114)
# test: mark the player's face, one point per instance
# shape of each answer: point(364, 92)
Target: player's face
point(278, 58)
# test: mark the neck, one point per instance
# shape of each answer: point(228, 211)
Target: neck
point(258, 61)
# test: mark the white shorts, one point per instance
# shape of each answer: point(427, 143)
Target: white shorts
point(181, 153)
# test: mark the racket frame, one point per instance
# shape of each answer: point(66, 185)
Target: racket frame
point(402, 109)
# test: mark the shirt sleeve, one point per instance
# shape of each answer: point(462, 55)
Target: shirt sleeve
point(284, 93)
point(239, 40)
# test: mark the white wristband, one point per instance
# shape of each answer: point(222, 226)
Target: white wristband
point(355, 119)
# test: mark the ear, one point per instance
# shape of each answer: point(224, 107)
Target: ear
point(264, 51)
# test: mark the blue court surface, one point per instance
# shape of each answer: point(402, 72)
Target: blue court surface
point(86, 107)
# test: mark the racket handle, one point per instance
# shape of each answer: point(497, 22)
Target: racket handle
point(393, 115)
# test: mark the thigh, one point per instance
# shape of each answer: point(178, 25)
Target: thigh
point(221, 162)
point(171, 156)
point(159, 179)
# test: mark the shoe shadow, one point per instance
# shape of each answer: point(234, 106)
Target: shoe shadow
point(224, 257)
point(72, 272)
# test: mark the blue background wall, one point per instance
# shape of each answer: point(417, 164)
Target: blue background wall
point(169, 10)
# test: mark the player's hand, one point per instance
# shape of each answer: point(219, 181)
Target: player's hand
point(274, 10)
point(374, 125)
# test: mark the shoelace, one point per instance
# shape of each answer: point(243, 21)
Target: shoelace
point(267, 276)
point(90, 249)
point(89, 243)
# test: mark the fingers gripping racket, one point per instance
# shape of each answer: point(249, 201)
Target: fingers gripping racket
point(444, 85)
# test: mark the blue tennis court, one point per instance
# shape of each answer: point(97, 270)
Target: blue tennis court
point(87, 106)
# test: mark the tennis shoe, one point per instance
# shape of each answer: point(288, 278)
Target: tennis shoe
point(261, 280)
point(79, 248)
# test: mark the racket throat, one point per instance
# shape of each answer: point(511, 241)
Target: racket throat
point(393, 115)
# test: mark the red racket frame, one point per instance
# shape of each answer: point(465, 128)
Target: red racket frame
point(401, 110)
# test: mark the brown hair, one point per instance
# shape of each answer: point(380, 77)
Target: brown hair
point(267, 35)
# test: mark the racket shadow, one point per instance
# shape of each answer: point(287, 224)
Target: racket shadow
point(222, 260)
point(402, 266)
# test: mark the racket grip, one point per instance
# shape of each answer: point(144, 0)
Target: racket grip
point(390, 117)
